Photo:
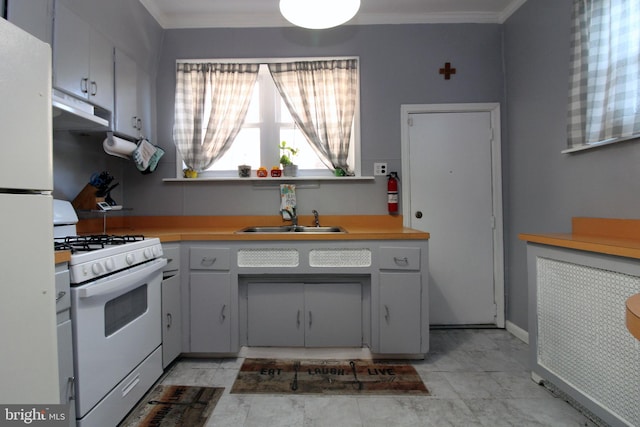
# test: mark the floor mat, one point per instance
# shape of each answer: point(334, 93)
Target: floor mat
point(175, 405)
point(329, 377)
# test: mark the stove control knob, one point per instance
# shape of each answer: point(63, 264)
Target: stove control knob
point(109, 264)
point(147, 253)
point(130, 258)
point(96, 268)
point(157, 251)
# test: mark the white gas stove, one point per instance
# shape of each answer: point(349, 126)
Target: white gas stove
point(116, 310)
point(95, 256)
point(99, 255)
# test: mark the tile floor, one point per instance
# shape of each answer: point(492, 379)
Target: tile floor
point(477, 377)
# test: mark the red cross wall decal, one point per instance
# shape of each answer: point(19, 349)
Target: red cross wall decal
point(447, 70)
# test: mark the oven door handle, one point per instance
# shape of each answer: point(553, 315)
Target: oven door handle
point(129, 280)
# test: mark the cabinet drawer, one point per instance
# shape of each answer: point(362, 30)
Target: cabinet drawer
point(172, 254)
point(209, 258)
point(399, 258)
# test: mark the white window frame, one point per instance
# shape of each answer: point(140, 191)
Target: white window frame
point(267, 149)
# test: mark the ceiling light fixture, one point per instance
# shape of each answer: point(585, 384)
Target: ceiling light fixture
point(318, 14)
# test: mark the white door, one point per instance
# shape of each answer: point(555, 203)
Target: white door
point(451, 159)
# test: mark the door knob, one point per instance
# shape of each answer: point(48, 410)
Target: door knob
point(418, 214)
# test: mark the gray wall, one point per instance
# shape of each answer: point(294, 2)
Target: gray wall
point(546, 188)
point(399, 65)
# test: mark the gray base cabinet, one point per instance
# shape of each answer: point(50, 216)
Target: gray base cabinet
point(306, 294)
point(171, 319)
point(400, 312)
point(210, 312)
point(304, 315)
point(275, 314)
point(171, 305)
point(64, 331)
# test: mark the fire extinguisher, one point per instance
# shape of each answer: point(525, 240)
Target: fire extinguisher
point(392, 192)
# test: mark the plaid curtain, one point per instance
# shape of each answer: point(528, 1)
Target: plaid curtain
point(321, 97)
point(210, 106)
point(604, 97)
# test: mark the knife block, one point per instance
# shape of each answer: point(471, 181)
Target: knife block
point(87, 199)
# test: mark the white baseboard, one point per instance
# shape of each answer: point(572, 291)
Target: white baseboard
point(517, 332)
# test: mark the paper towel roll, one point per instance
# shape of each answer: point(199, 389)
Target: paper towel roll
point(118, 147)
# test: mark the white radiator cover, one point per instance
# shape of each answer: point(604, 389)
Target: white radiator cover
point(581, 334)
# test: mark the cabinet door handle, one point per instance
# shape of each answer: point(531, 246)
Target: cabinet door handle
point(208, 262)
point(60, 295)
point(139, 123)
point(71, 388)
point(169, 320)
point(387, 316)
point(310, 318)
point(401, 261)
point(298, 320)
point(84, 85)
point(222, 315)
point(94, 88)
point(134, 122)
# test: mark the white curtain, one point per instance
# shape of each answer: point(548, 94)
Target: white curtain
point(604, 92)
point(211, 104)
point(321, 97)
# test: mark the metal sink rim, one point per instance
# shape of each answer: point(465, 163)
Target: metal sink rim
point(270, 229)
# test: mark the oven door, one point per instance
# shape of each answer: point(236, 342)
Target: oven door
point(116, 325)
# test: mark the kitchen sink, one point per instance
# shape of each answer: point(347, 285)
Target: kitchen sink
point(292, 229)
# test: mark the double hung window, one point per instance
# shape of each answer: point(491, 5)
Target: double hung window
point(317, 105)
point(604, 92)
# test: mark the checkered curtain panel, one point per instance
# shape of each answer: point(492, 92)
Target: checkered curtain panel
point(321, 97)
point(210, 107)
point(604, 87)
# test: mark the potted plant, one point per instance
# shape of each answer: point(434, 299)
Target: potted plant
point(286, 154)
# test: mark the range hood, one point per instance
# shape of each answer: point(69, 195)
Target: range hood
point(70, 113)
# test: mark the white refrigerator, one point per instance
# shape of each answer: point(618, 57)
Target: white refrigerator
point(28, 344)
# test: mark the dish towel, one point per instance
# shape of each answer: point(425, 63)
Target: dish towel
point(146, 156)
point(287, 201)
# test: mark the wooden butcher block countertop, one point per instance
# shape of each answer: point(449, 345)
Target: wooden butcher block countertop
point(620, 237)
point(633, 315)
point(62, 256)
point(192, 228)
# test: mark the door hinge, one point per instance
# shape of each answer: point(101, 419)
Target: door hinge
point(410, 121)
point(493, 222)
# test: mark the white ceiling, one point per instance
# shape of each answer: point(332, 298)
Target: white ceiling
point(265, 13)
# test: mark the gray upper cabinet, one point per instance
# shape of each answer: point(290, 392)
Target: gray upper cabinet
point(33, 16)
point(144, 105)
point(132, 98)
point(127, 121)
point(82, 59)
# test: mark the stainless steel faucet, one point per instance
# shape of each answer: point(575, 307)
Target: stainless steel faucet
point(292, 215)
point(315, 217)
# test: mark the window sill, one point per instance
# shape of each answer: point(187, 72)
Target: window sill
point(271, 179)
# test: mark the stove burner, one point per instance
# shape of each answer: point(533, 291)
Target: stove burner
point(61, 246)
point(93, 242)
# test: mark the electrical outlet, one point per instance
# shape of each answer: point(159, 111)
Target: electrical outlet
point(379, 169)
